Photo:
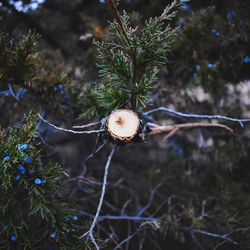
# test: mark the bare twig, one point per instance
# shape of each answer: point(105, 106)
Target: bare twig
point(90, 232)
point(224, 237)
point(95, 149)
point(129, 233)
point(220, 244)
point(180, 114)
point(150, 200)
point(12, 92)
point(157, 220)
point(90, 124)
point(69, 130)
point(90, 156)
point(127, 239)
point(5, 92)
point(46, 143)
point(196, 241)
point(121, 217)
point(158, 208)
point(125, 206)
point(173, 129)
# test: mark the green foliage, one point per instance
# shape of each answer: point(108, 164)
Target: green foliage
point(226, 152)
point(33, 210)
point(130, 62)
point(209, 38)
point(41, 74)
point(16, 62)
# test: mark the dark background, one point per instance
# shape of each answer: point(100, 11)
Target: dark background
point(199, 170)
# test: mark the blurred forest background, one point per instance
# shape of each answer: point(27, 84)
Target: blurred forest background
point(197, 183)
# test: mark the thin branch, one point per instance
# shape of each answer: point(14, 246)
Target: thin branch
point(180, 114)
point(69, 130)
point(159, 207)
point(12, 91)
point(224, 237)
point(90, 156)
point(46, 143)
point(90, 232)
point(196, 241)
point(220, 244)
point(129, 233)
point(127, 239)
point(125, 206)
point(173, 129)
point(150, 200)
point(121, 217)
point(90, 124)
point(152, 219)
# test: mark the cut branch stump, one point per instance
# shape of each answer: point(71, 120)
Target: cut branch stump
point(123, 126)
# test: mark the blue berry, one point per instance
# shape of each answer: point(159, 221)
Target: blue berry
point(247, 59)
point(21, 169)
point(25, 146)
point(6, 158)
point(53, 235)
point(38, 181)
point(13, 238)
point(28, 159)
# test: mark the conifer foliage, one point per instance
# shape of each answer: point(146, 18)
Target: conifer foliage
point(199, 185)
point(130, 62)
point(33, 209)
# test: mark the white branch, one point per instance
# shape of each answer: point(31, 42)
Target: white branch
point(69, 130)
point(127, 239)
point(180, 114)
point(90, 124)
point(150, 200)
point(224, 237)
point(122, 217)
point(147, 219)
point(90, 232)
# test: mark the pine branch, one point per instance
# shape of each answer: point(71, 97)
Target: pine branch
point(130, 63)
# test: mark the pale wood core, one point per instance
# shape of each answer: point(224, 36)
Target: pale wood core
point(123, 124)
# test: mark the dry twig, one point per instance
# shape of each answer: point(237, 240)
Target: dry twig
point(173, 129)
point(90, 232)
point(70, 130)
